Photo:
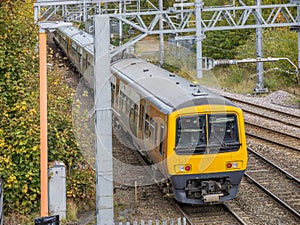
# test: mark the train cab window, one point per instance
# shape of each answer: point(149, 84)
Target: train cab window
point(191, 134)
point(223, 133)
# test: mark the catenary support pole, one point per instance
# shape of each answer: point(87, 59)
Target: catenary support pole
point(121, 23)
point(259, 53)
point(103, 121)
point(161, 35)
point(43, 123)
point(199, 38)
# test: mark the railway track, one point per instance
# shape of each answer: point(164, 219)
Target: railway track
point(275, 137)
point(281, 129)
point(268, 113)
point(212, 214)
point(278, 183)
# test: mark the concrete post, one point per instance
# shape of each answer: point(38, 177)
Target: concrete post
point(103, 121)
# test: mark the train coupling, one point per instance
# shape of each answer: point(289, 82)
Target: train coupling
point(212, 197)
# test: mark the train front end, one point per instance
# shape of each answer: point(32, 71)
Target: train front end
point(207, 153)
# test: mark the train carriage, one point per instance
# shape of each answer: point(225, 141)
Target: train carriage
point(194, 137)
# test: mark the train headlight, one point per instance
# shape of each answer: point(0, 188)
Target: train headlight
point(233, 165)
point(183, 168)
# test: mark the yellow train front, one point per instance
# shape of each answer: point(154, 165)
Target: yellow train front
point(193, 137)
point(207, 155)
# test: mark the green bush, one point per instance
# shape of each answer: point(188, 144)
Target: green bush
point(19, 125)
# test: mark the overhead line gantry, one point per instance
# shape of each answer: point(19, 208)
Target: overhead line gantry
point(184, 19)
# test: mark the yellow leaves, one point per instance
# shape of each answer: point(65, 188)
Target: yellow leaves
point(25, 188)
point(6, 160)
point(22, 106)
point(12, 179)
point(32, 112)
point(34, 148)
point(70, 194)
point(2, 140)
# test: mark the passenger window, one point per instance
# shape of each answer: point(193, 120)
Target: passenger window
point(161, 139)
point(147, 125)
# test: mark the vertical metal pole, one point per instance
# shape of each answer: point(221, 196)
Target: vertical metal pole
point(84, 14)
point(120, 25)
point(103, 121)
point(63, 9)
point(43, 123)
point(259, 53)
point(199, 37)
point(161, 35)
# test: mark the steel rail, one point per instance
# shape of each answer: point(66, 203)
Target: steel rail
point(273, 142)
point(268, 109)
point(188, 219)
point(234, 214)
point(293, 211)
point(261, 106)
point(275, 119)
point(274, 131)
point(287, 174)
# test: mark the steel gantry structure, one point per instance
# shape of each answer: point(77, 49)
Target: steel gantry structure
point(186, 19)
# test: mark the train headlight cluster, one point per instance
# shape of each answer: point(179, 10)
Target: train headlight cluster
point(183, 168)
point(233, 165)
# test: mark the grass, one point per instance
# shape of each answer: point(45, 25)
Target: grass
point(72, 211)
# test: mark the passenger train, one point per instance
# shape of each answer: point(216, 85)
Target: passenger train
point(194, 137)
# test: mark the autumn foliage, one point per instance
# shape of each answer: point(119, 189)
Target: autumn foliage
point(19, 107)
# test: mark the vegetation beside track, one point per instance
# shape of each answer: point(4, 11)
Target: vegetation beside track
point(19, 126)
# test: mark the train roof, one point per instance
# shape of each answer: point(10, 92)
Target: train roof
point(82, 38)
point(167, 91)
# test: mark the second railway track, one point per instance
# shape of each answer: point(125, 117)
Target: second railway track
point(284, 117)
point(271, 135)
point(283, 186)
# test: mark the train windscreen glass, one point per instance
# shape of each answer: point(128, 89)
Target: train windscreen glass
point(191, 134)
point(206, 134)
point(223, 133)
